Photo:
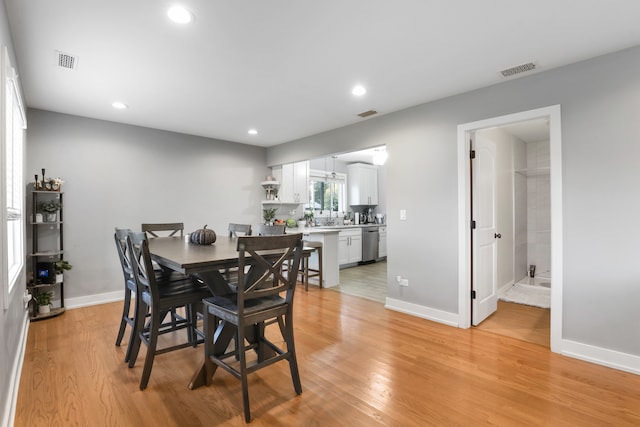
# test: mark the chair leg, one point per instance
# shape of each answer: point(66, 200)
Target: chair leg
point(125, 314)
point(192, 317)
point(151, 349)
point(138, 330)
point(320, 266)
point(306, 273)
point(133, 334)
point(209, 325)
point(291, 349)
point(243, 373)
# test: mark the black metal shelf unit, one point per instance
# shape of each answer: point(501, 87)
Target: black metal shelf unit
point(44, 278)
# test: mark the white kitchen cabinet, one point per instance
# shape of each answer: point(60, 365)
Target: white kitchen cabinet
point(382, 243)
point(350, 246)
point(294, 182)
point(363, 184)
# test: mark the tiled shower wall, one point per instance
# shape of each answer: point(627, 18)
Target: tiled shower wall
point(532, 204)
point(520, 210)
point(539, 208)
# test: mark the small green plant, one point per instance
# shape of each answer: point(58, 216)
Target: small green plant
point(268, 214)
point(308, 215)
point(51, 206)
point(62, 265)
point(43, 298)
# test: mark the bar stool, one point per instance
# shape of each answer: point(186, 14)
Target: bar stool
point(305, 271)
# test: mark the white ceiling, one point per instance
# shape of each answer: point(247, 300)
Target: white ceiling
point(287, 67)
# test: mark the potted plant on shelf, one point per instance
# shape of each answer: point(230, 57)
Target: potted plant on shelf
point(44, 302)
point(61, 266)
point(50, 209)
point(268, 215)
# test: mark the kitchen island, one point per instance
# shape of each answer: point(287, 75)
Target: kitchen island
point(329, 239)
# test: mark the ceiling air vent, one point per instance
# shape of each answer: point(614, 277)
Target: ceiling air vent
point(67, 61)
point(368, 113)
point(518, 69)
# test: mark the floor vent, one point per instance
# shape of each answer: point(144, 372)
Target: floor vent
point(67, 61)
point(518, 69)
point(368, 113)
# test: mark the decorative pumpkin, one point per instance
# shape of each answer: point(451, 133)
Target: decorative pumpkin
point(203, 236)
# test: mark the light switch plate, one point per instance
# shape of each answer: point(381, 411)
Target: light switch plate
point(403, 214)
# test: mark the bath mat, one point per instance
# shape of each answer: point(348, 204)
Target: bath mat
point(536, 296)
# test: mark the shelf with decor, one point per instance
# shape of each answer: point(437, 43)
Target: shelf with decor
point(47, 263)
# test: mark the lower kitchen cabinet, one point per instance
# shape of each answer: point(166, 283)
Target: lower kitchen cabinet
point(350, 246)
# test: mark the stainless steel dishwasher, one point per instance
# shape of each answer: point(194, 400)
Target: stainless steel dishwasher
point(370, 240)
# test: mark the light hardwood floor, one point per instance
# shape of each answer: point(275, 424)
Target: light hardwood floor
point(366, 281)
point(360, 364)
point(531, 324)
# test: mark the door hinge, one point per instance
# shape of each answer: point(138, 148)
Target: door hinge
point(473, 225)
point(472, 154)
point(473, 294)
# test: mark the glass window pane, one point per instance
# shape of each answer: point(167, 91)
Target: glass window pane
point(14, 134)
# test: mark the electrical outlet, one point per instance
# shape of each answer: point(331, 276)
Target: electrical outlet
point(404, 282)
point(403, 214)
point(398, 278)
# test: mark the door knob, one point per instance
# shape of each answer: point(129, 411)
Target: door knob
point(497, 235)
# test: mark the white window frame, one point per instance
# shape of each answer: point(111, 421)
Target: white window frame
point(340, 178)
point(13, 122)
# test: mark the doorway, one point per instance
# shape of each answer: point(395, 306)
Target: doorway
point(467, 271)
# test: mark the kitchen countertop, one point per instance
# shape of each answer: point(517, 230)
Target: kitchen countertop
point(340, 227)
point(311, 230)
point(329, 228)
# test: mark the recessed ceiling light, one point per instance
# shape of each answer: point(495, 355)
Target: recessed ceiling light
point(119, 105)
point(253, 132)
point(180, 15)
point(358, 90)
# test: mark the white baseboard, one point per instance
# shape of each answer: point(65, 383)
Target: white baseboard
point(601, 356)
point(504, 288)
point(93, 299)
point(9, 412)
point(439, 316)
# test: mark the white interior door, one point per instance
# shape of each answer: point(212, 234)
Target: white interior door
point(485, 247)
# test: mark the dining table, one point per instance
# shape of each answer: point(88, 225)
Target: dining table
point(207, 262)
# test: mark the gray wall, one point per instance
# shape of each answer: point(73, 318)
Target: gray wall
point(122, 175)
point(600, 101)
point(13, 324)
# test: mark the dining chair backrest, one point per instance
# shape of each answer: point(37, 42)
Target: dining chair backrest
point(270, 230)
point(165, 229)
point(141, 261)
point(123, 253)
point(234, 229)
point(264, 256)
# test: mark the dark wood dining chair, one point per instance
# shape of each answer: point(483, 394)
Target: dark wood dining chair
point(244, 229)
point(270, 230)
point(169, 229)
point(257, 301)
point(128, 315)
point(235, 231)
point(157, 296)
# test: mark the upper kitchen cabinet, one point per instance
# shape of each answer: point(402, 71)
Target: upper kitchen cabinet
point(363, 184)
point(294, 182)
